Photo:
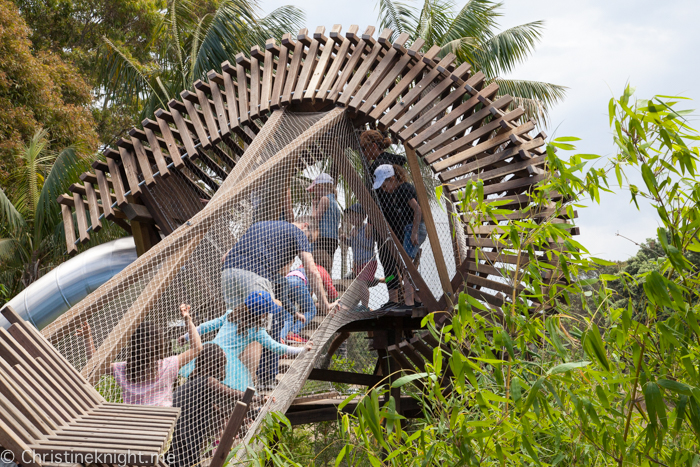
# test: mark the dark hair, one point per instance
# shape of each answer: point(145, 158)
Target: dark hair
point(210, 362)
point(374, 137)
point(146, 349)
point(400, 173)
point(246, 320)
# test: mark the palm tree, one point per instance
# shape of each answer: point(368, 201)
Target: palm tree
point(192, 40)
point(31, 227)
point(471, 34)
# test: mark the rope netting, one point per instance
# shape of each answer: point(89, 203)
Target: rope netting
point(295, 244)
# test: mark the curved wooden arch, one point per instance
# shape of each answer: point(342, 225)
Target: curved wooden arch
point(452, 118)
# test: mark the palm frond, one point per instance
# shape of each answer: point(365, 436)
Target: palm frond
point(123, 78)
point(280, 21)
point(476, 19)
point(434, 20)
point(501, 53)
point(536, 97)
point(11, 221)
point(399, 16)
point(65, 171)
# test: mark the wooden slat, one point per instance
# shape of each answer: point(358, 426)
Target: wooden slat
point(242, 85)
point(173, 148)
point(206, 105)
point(69, 229)
point(131, 171)
point(389, 80)
point(94, 207)
point(357, 54)
point(323, 62)
point(199, 129)
point(184, 132)
point(337, 63)
point(378, 74)
point(453, 100)
point(363, 70)
point(266, 88)
point(294, 66)
point(157, 153)
point(105, 195)
point(414, 94)
point(219, 106)
point(230, 93)
point(117, 182)
point(27, 401)
point(480, 148)
point(309, 65)
point(402, 86)
point(232, 427)
point(144, 163)
point(280, 72)
point(81, 217)
point(255, 56)
point(433, 96)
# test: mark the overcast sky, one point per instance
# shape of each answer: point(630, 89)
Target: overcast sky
point(593, 47)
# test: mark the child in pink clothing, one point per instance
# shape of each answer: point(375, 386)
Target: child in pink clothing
point(148, 377)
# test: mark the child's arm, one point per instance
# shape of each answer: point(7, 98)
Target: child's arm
point(281, 349)
point(204, 328)
point(417, 216)
point(186, 357)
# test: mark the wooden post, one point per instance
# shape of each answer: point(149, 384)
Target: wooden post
point(424, 203)
point(231, 430)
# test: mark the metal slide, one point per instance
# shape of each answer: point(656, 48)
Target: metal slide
point(68, 283)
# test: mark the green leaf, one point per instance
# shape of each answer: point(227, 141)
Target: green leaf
point(675, 386)
point(342, 454)
point(593, 344)
point(533, 393)
point(407, 379)
point(566, 139)
point(564, 367)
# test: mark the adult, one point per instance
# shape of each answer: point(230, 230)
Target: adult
point(373, 145)
point(399, 204)
point(326, 216)
point(260, 260)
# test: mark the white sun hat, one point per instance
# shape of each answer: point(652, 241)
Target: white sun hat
point(381, 174)
point(322, 178)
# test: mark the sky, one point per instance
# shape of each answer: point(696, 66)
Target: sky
point(594, 47)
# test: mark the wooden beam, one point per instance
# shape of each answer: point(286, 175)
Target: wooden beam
point(424, 203)
point(345, 377)
point(232, 428)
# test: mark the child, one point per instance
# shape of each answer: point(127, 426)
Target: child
point(147, 377)
point(300, 297)
point(238, 328)
point(326, 213)
point(206, 406)
point(361, 240)
point(400, 207)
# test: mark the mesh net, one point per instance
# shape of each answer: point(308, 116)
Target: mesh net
point(294, 227)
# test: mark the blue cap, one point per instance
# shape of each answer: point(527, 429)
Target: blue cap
point(261, 302)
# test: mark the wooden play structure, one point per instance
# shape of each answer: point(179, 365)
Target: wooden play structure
point(172, 178)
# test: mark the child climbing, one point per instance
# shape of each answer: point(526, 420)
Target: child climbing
point(300, 297)
point(206, 404)
point(373, 145)
point(238, 328)
point(326, 214)
point(361, 240)
point(400, 207)
point(147, 377)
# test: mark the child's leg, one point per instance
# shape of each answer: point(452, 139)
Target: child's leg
point(251, 357)
point(301, 295)
point(364, 293)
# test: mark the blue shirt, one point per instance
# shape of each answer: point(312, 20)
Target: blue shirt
point(267, 247)
point(328, 224)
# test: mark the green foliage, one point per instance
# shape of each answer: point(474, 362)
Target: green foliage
point(191, 39)
point(471, 34)
point(31, 226)
point(615, 384)
point(37, 91)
